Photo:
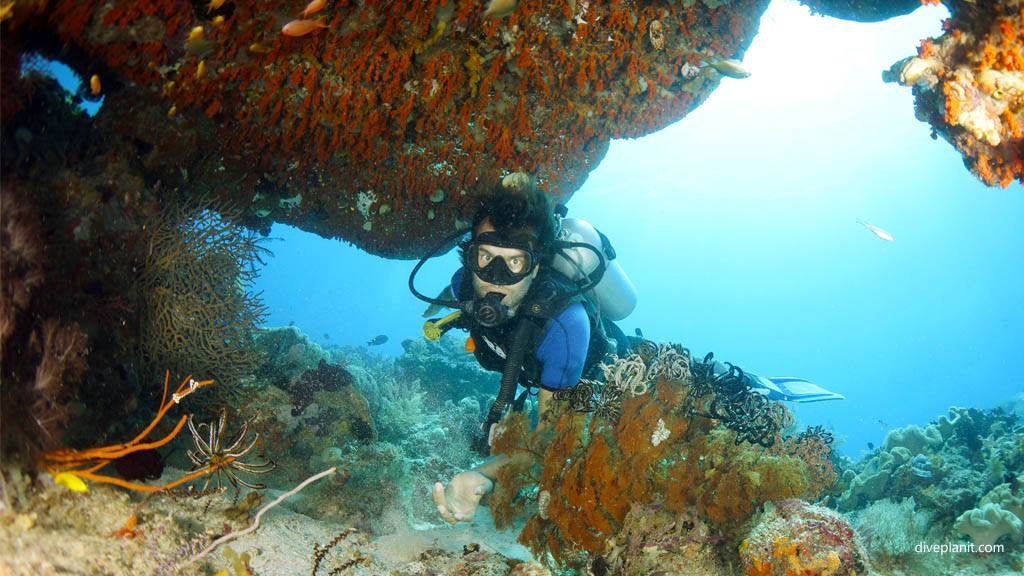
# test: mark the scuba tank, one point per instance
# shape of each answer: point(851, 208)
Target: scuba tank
point(614, 294)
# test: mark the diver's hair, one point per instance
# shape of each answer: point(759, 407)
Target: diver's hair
point(521, 212)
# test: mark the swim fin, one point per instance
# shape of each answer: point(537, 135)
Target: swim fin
point(792, 389)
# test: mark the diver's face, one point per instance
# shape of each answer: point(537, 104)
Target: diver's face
point(513, 293)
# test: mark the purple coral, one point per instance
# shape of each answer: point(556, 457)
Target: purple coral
point(326, 377)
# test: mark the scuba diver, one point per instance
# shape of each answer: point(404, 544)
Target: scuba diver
point(539, 294)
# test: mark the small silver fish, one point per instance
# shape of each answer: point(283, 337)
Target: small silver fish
point(877, 231)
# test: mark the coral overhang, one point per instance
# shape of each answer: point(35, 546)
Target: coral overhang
point(422, 102)
point(969, 85)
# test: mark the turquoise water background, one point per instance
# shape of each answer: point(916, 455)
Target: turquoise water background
point(738, 226)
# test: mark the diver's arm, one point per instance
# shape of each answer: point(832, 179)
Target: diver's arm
point(457, 502)
point(490, 468)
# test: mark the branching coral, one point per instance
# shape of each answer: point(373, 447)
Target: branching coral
point(73, 466)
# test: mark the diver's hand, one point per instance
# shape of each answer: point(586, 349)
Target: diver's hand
point(458, 501)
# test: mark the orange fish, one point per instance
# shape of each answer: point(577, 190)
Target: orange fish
point(214, 4)
point(878, 231)
point(313, 7)
point(195, 34)
point(94, 85)
point(303, 27)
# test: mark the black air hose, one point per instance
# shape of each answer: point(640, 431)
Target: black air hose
point(509, 381)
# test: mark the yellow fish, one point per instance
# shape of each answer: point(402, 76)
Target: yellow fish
point(730, 68)
point(94, 85)
point(499, 8)
point(71, 482)
point(194, 35)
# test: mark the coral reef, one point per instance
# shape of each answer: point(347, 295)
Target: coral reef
point(795, 538)
point(969, 85)
point(894, 529)
point(380, 126)
point(51, 530)
point(354, 409)
point(946, 466)
point(957, 476)
point(326, 377)
point(453, 375)
point(285, 353)
point(654, 538)
point(595, 469)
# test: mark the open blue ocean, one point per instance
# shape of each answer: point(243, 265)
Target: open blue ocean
point(739, 227)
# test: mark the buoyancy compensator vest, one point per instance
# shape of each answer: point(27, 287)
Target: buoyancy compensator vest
point(511, 347)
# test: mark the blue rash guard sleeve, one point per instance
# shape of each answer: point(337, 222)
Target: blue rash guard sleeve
point(456, 282)
point(563, 348)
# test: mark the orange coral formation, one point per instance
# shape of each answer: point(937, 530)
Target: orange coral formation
point(969, 84)
point(398, 98)
point(84, 464)
point(660, 450)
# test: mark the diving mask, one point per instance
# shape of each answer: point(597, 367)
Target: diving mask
point(480, 257)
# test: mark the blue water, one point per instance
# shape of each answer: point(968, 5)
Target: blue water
point(738, 226)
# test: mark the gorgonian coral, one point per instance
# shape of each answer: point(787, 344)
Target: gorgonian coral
point(199, 313)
